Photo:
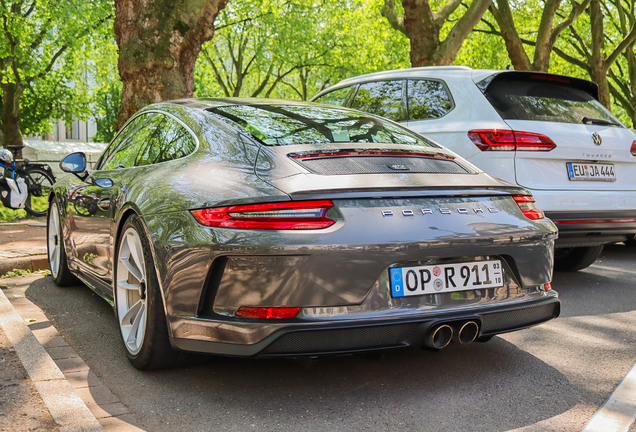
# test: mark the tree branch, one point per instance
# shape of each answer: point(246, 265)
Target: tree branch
point(460, 31)
point(397, 22)
point(217, 74)
point(583, 65)
point(445, 11)
point(60, 51)
point(30, 10)
point(577, 10)
point(629, 40)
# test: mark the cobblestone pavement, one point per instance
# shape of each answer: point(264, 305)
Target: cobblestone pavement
point(21, 407)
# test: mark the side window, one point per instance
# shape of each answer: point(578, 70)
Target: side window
point(337, 97)
point(428, 100)
point(383, 98)
point(169, 141)
point(126, 151)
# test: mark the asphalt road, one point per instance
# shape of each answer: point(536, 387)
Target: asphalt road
point(548, 378)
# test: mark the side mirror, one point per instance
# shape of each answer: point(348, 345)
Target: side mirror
point(74, 163)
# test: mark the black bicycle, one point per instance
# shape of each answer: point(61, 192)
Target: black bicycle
point(38, 177)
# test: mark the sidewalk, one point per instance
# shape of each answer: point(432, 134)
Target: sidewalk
point(44, 384)
point(23, 245)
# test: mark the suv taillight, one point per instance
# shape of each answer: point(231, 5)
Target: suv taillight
point(633, 149)
point(293, 215)
point(526, 204)
point(505, 140)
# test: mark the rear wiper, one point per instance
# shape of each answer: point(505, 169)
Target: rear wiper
point(598, 121)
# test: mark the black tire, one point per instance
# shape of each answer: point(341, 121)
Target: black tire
point(574, 259)
point(60, 272)
point(154, 351)
point(39, 183)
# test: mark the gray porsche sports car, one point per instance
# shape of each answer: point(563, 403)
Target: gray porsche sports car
point(265, 228)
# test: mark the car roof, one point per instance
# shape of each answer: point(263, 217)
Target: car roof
point(444, 72)
point(429, 71)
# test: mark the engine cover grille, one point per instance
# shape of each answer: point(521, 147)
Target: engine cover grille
point(369, 164)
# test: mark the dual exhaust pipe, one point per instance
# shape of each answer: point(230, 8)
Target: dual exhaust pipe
point(462, 332)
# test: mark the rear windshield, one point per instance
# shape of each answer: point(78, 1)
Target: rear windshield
point(288, 124)
point(544, 101)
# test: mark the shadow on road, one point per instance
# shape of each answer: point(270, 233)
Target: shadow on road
point(480, 387)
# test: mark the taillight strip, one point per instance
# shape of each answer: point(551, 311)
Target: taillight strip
point(292, 215)
point(365, 153)
point(507, 140)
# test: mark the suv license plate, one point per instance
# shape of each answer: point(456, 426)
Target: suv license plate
point(591, 172)
point(445, 278)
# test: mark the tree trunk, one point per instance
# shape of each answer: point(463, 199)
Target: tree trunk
point(422, 31)
point(422, 26)
point(631, 62)
point(11, 93)
point(598, 70)
point(514, 45)
point(159, 42)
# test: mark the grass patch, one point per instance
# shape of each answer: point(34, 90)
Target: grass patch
point(8, 215)
point(5, 287)
point(17, 273)
point(22, 273)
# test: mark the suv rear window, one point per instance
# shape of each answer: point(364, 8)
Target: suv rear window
point(288, 124)
point(546, 101)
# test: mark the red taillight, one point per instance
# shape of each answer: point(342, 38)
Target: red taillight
point(633, 149)
point(267, 313)
point(526, 204)
point(505, 140)
point(547, 286)
point(298, 215)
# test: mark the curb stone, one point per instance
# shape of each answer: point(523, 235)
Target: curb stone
point(66, 407)
point(60, 368)
point(31, 263)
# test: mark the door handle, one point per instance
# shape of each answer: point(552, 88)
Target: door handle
point(104, 204)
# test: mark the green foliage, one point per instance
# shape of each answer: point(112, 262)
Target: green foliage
point(17, 273)
point(106, 89)
point(8, 215)
point(483, 51)
point(43, 49)
point(294, 49)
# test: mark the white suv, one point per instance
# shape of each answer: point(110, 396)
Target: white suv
point(547, 133)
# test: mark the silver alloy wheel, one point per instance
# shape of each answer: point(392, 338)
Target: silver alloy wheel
point(54, 240)
point(130, 297)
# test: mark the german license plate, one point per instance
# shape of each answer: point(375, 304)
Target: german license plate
point(445, 278)
point(591, 172)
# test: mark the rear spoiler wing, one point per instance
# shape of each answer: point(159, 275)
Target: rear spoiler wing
point(577, 83)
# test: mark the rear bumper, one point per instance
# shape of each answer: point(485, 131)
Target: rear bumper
point(580, 229)
point(297, 339)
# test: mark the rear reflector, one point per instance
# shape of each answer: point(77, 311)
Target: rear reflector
point(633, 149)
point(505, 140)
point(589, 221)
point(294, 215)
point(526, 204)
point(267, 313)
